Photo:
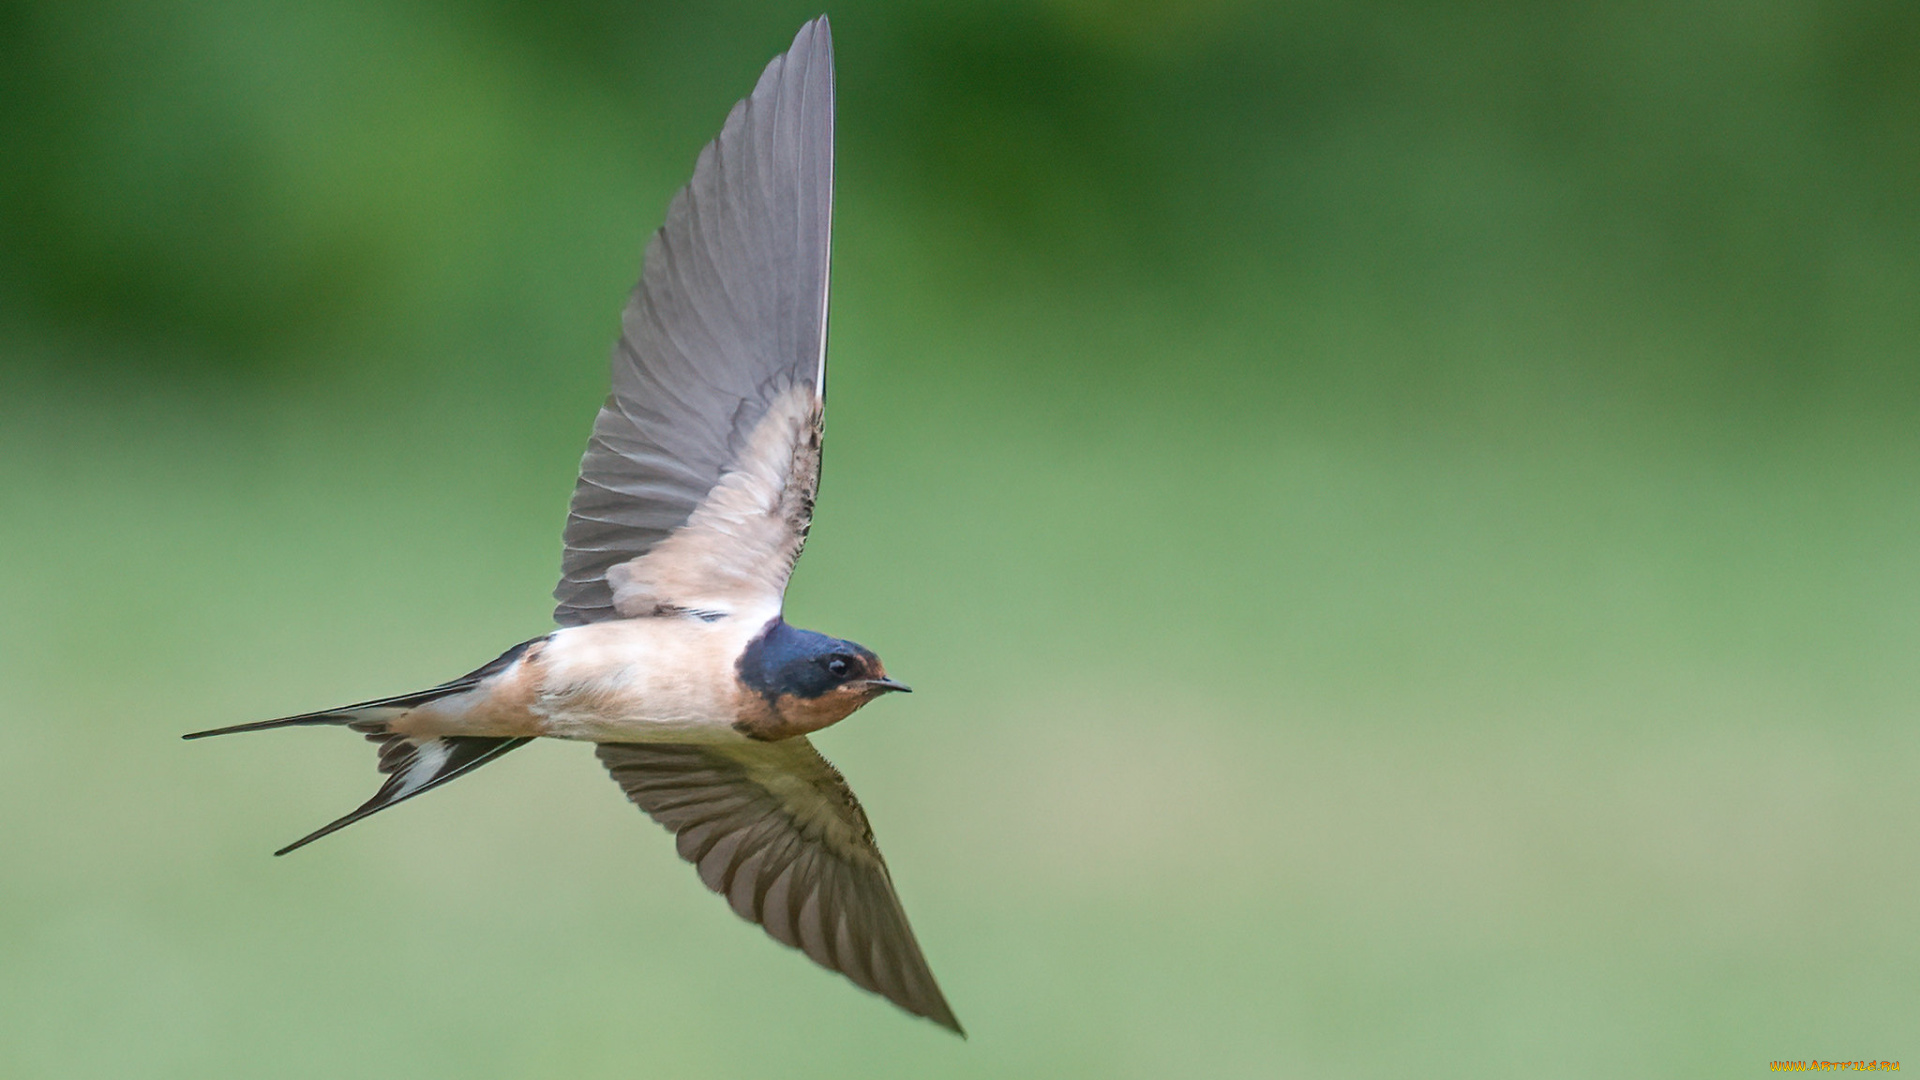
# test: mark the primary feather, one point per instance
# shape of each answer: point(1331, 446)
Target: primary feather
point(775, 829)
point(728, 321)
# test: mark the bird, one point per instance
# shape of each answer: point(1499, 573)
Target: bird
point(693, 502)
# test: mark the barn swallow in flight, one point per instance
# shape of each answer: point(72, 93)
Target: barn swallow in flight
point(693, 503)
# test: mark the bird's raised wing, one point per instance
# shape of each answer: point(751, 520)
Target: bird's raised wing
point(698, 483)
point(774, 828)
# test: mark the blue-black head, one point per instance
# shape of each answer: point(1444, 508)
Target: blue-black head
point(787, 662)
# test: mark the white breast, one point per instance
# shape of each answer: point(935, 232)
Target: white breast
point(643, 680)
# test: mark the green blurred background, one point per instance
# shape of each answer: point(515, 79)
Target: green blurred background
point(1403, 519)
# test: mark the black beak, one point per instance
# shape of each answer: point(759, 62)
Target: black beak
point(881, 686)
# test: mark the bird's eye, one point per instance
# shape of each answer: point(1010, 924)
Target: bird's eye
point(838, 667)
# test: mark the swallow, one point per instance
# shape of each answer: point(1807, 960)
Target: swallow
point(693, 503)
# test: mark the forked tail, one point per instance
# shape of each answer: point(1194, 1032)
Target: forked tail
point(412, 764)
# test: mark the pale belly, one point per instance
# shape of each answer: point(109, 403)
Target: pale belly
point(640, 680)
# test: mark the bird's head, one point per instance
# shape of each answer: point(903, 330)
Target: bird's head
point(805, 680)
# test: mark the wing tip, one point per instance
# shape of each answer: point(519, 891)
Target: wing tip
point(820, 25)
point(946, 1019)
point(812, 42)
point(928, 1000)
point(815, 39)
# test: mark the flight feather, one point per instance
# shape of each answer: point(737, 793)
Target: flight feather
point(774, 828)
point(718, 377)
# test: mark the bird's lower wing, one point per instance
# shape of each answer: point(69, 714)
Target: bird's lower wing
point(774, 828)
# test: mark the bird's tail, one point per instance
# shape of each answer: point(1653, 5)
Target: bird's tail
point(412, 764)
point(379, 710)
